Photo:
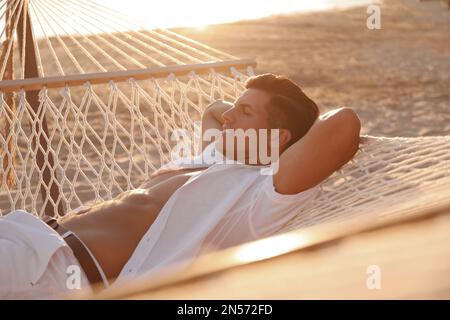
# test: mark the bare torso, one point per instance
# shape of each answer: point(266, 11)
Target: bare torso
point(113, 229)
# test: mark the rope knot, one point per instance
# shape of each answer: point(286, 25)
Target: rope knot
point(171, 77)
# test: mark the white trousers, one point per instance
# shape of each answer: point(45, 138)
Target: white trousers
point(22, 243)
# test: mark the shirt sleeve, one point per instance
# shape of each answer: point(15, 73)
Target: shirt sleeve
point(271, 210)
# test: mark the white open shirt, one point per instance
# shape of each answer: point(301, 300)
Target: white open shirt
point(225, 205)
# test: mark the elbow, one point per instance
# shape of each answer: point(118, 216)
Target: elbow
point(350, 117)
point(351, 124)
point(355, 125)
point(349, 128)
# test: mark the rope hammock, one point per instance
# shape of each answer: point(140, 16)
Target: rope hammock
point(89, 111)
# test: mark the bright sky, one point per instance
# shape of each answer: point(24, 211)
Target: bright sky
point(170, 13)
point(163, 13)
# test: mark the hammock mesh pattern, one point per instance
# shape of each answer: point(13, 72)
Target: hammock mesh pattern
point(82, 36)
point(102, 146)
point(387, 177)
point(90, 101)
point(108, 129)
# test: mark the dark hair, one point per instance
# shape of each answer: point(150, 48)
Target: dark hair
point(288, 108)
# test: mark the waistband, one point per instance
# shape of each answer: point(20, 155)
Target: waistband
point(86, 259)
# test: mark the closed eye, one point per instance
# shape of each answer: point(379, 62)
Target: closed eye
point(246, 110)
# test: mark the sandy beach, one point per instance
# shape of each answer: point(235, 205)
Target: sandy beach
point(396, 78)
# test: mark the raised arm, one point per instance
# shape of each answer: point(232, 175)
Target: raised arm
point(330, 143)
point(212, 118)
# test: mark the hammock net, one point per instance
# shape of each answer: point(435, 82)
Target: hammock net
point(96, 116)
point(88, 110)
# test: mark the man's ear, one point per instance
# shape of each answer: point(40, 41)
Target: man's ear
point(285, 137)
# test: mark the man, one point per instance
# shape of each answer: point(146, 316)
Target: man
point(177, 214)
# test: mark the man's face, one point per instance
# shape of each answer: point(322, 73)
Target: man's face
point(248, 114)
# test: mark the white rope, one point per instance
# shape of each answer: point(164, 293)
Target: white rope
point(39, 64)
point(57, 21)
point(98, 23)
point(53, 8)
point(102, 39)
point(417, 173)
point(12, 12)
point(132, 22)
point(8, 50)
point(4, 3)
point(24, 39)
point(152, 48)
point(199, 44)
point(54, 15)
point(102, 145)
point(61, 42)
point(167, 39)
point(49, 45)
point(107, 144)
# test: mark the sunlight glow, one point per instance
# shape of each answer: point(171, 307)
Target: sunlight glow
point(270, 247)
point(138, 14)
point(199, 13)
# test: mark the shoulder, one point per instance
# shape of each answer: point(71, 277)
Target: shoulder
point(330, 143)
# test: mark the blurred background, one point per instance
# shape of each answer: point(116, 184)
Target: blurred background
point(396, 78)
